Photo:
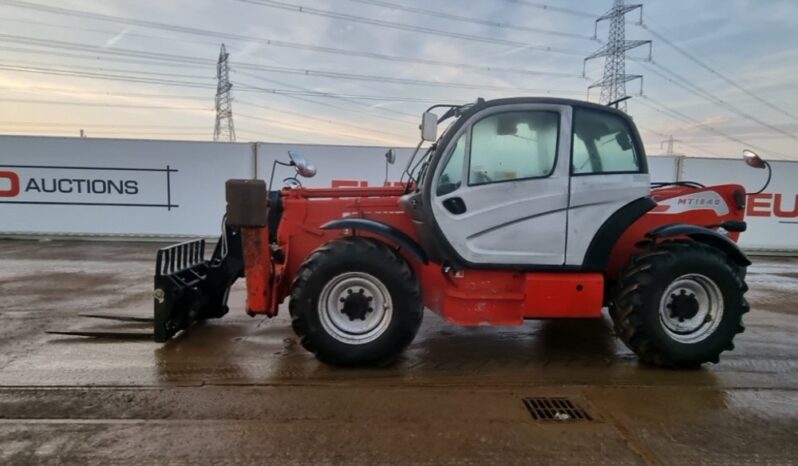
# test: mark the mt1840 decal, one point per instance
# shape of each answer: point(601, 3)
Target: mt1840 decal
point(705, 200)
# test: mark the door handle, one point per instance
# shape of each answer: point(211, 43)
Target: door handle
point(455, 205)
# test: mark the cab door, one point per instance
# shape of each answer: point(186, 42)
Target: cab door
point(608, 172)
point(500, 192)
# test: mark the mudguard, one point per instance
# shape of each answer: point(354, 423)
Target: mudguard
point(382, 229)
point(702, 235)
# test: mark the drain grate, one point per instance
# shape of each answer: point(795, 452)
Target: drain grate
point(555, 409)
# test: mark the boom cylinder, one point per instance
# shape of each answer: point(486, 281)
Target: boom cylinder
point(257, 270)
point(248, 208)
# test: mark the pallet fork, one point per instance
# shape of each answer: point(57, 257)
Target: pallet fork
point(188, 289)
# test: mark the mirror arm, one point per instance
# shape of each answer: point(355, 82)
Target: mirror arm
point(274, 167)
point(767, 183)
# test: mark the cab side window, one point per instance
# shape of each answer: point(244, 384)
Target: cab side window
point(513, 146)
point(602, 144)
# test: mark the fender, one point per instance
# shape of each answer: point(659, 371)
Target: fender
point(598, 252)
point(702, 235)
point(382, 229)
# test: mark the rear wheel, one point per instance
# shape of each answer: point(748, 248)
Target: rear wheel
point(680, 304)
point(355, 301)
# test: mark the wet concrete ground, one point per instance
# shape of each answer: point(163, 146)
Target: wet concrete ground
point(243, 391)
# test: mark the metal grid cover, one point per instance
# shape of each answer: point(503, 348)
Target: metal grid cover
point(555, 409)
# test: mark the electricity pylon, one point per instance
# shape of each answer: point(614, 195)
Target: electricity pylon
point(613, 83)
point(224, 130)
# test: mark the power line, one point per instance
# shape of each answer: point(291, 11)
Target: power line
point(675, 114)
point(103, 76)
point(105, 104)
point(548, 7)
point(205, 98)
point(329, 105)
point(164, 107)
point(717, 73)
point(106, 32)
point(336, 95)
point(223, 125)
point(270, 42)
point(94, 58)
point(324, 120)
point(58, 90)
point(466, 19)
point(142, 54)
point(409, 27)
point(402, 81)
point(305, 129)
point(127, 71)
point(697, 90)
point(257, 89)
point(370, 114)
point(276, 69)
point(51, 124)
point(309, 117)
point(168, 60)
point(107, 133)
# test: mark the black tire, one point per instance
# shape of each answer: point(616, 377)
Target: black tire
point(638, 304)
point(742, 271)
point(329, 266)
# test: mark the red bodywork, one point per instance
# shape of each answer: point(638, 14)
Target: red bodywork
point(469, 297)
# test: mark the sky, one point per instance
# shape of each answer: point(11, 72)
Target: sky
point(722, 75)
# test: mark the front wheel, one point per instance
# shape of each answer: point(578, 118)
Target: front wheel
point(680, 305)
point(355, 301)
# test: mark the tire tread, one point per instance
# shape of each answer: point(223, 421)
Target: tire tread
point(633, 284)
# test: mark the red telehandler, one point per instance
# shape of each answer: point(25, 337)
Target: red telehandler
point(524, 208)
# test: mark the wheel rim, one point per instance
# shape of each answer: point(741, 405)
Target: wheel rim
point(355, 308)
point(691, 308)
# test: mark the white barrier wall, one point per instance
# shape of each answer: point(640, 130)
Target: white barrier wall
point(663, 168)
point(116, 187)
point(356, 163)
point(107, 187)
point(772, 216)
point(170, 188)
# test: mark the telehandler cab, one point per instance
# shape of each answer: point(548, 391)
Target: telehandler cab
point(524, 208)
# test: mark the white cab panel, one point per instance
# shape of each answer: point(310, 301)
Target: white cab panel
point(519, 221)
point(594, 198)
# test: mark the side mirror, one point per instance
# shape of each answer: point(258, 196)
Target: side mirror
point(429, 126)
point(390, 157)
point(303, 167)
point(752, 159)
